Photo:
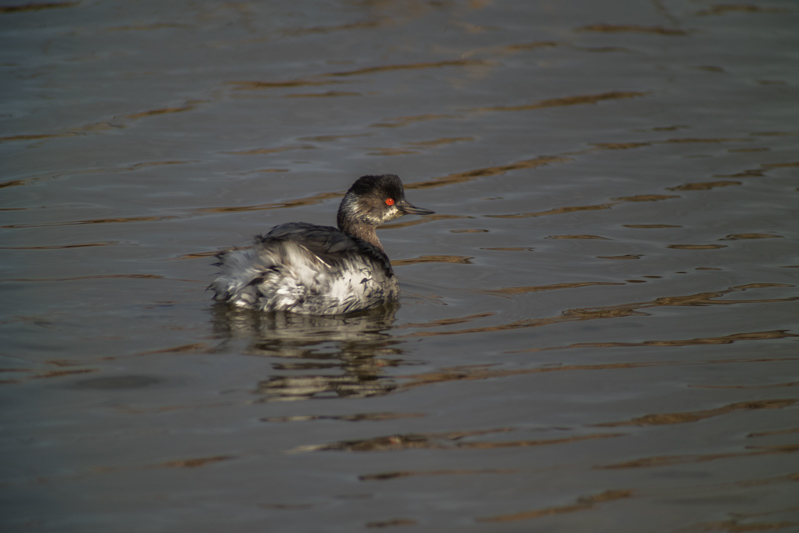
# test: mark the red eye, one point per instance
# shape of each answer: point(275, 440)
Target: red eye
point(389, 201)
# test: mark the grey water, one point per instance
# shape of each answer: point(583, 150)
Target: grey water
point(597, 330)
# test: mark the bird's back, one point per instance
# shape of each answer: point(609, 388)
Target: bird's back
point(308, 269)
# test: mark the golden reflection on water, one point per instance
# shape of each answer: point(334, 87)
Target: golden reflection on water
point(722, 9)
point(470, 175)
point(162, 111)
point(320, 78)
point(693, 416)
point(703, 186)
point(409, 66)
point(632, 28)
point(662, 460)
point(326, 94)
point(311, 200)
point(261, 151)
point(564, 101)
point(725, 339)
point(552, 287)
point(61, 246)
point(457, 259)
point(386, 476)
point(37, 6)
point(583, 503)
point(447, 440)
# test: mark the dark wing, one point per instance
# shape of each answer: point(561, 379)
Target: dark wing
point(326, 242)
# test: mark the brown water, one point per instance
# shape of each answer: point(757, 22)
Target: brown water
point(598, 329)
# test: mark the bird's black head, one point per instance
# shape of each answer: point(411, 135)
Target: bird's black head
point(375, 200)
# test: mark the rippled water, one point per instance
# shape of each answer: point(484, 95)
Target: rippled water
point(598, 328)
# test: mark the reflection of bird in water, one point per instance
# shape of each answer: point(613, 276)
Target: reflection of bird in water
point(321, 270)
point(315, 356)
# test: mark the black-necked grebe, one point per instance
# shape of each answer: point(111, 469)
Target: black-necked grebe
point(320, 270)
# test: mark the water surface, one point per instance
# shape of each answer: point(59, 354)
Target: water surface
point(597, 330)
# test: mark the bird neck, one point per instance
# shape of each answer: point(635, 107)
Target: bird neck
point(362, 231)
point(351, 222)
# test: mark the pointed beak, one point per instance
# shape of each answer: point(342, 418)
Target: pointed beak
point(407, 209)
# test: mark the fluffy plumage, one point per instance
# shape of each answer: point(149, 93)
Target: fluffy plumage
point(320, 270)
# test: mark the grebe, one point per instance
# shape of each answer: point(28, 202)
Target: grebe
point(320, 270)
